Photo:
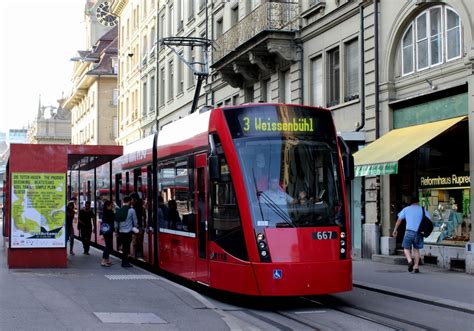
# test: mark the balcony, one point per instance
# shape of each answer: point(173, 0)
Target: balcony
point(253, 46)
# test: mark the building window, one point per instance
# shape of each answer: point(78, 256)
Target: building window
point(180, 74)
point(180, 13)
point(114, 65)
point(161, 29)
point(171, 25)
point(170, 80)
point(333, 77)
point(250, 5)
point(453, 35)
point(266, 94)
point(152, 39)
point(234, 15)
point(152, 93)
point(219, 27)
point(351, 71)
point(285, 87)
point(317, 81)
point(190, 9)
point(432, 38)
point(407, 51)
point(192, 59)
point(249, 92)
point(162, 86)
point(235, 100)
point(115, 93)
point(144, 99)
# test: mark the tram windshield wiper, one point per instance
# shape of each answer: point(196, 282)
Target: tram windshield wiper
point(258, 193)
point(276, 209)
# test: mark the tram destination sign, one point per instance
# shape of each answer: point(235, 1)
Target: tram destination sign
point(38, 210)
point(278, 120)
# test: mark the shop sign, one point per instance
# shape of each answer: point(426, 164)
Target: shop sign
point(389, 168)
point(38, 210)
point(458, 180)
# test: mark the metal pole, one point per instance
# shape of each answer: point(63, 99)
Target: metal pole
point(155, 202)
point(110, 181)
point(95, 204)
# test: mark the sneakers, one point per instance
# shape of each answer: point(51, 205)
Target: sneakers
point(103, 264)
point(417, 271)
point(410, 266)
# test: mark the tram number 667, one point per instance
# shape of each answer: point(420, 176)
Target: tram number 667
point(324, 235)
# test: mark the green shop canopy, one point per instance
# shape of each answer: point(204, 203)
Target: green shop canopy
point(382, 155)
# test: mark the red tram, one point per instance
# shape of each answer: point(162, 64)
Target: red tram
point(260, 198)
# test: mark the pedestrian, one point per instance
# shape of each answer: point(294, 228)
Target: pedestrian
point(108, 217)
point(164, 211)
point(85, 225)
point(140, 210)
point(412, 240)
point(70, 214)
point(125, 220)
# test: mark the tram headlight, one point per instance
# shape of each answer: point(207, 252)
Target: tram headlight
point(263, 253)
point(343, 243)
point(343, 235)
point(260, 236)
point(262, 245)
point(343, 250)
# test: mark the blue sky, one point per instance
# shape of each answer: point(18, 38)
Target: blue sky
point(37, 38)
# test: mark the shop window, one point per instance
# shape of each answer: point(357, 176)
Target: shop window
point(434, 37)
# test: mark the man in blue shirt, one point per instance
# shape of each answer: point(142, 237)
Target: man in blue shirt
point(413, 215)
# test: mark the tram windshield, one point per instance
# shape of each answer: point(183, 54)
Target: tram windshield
point(292, 178)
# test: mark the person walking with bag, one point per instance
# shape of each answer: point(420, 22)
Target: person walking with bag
point(70, 214)
point(412, 240)
point(107, 231)
point(85, 225)
point(125, 221)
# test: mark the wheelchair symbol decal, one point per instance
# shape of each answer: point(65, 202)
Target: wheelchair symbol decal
point(277, 274)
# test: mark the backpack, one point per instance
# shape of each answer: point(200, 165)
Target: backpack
point(122, 214)
point(426, 226)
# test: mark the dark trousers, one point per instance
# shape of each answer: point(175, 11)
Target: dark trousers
point(126, 239)
point(86, 239)
point(109, 239)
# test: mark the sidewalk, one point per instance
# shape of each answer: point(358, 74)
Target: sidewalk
point(433, 284)
point(86, 296)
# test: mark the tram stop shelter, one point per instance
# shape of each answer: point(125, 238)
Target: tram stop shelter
point(36, 193)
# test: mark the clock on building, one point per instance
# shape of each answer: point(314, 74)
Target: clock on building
point(104, 16)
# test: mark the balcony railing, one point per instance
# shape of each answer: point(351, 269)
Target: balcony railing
point(269, 16)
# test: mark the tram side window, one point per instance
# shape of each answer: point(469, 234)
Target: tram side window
point(225, 225)
point(176, 201)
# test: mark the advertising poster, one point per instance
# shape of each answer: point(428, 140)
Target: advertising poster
point(38, 210)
